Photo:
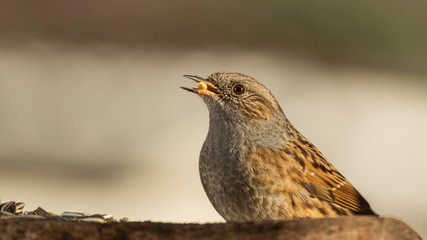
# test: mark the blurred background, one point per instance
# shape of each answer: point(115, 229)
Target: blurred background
point(92, 119)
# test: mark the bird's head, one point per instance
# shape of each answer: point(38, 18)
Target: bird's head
point(235, 94)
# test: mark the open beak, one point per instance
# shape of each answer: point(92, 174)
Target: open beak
point(204, 87)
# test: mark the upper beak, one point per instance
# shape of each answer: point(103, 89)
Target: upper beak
point(204, 87)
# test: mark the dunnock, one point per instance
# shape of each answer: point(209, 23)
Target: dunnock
point(254, 165)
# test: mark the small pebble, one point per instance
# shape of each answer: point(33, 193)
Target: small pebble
point(92, 219)
point(125, 219)
point(14, 209)
point(73, 214)
point(9, 207)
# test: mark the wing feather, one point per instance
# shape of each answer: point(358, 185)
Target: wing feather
point(323, 181)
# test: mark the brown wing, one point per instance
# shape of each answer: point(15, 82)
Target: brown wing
point(323, 180)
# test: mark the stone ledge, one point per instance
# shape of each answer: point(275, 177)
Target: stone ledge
point(360, 227)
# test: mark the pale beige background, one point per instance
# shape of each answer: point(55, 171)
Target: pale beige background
point(103, 127)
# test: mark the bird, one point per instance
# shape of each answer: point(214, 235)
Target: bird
point(255, 166)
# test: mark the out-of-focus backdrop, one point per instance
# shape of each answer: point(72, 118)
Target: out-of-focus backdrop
point(92, 119)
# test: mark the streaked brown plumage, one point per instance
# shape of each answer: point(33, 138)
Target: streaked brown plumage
point(254, 165)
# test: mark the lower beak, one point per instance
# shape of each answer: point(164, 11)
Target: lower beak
point(204, 87)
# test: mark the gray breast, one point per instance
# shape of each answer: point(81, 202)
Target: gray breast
point(228, 177)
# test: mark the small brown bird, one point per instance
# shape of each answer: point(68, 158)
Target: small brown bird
point(254, 165)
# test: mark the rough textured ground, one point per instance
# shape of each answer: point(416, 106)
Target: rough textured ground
point(333, 228)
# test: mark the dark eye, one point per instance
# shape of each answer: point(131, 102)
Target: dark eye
point(239, 89)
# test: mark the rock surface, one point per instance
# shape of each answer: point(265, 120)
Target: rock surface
point(360, 228)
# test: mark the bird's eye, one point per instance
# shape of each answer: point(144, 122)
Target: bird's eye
point(239, 89)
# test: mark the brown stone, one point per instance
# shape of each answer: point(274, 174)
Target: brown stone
point(363, 227)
